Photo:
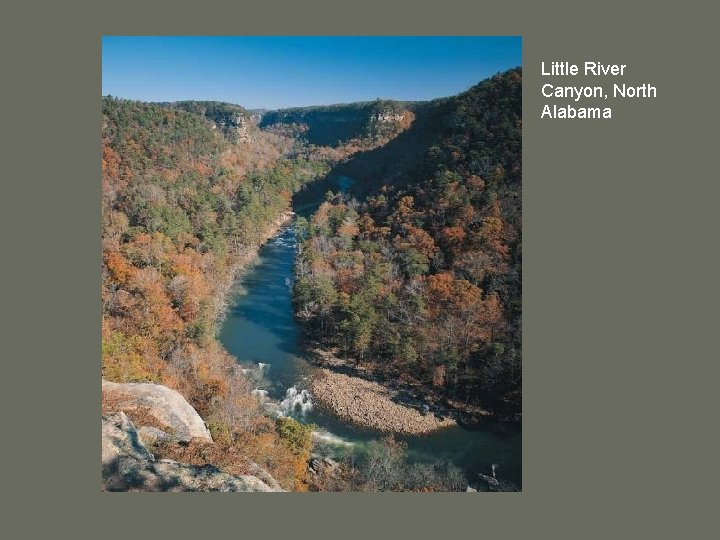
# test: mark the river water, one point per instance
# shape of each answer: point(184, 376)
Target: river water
point(261, 332)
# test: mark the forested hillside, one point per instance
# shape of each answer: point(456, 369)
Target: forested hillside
point(182, 205)
point(422, 278)
point(415, 275)
point(234, 121)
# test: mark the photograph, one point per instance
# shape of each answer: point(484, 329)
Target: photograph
point(311, 258)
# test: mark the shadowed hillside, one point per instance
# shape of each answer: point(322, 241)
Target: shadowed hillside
point(421, 276)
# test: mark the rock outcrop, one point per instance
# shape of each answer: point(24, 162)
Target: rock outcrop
point(334, 125)
point(326, 465)
point(235, 122)
point(161, 413)
point(127, 465)
point(237, 127)
point(388, 117)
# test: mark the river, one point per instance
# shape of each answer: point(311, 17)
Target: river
point(260, 330)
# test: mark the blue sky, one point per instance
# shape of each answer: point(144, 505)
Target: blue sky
point(276, 72)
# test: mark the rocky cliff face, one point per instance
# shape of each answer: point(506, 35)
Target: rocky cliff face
point(328, 125)
point(388, 117)
point(333, 125)
point(161, 415)
point(235, 122)
point(237, 127)
point(127, 465)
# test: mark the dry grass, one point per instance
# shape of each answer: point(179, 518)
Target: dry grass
point(113, 402)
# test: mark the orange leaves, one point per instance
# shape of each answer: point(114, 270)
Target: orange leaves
point(416, 238)
point(491, 229)
point(149, 249)
point(119, 267)
point(202, 169)
point(348, 229)
point(494, 235)
point(366, 224)
point(320, 266)
point(440, 286)
point(165, 262)
point(459, 318)
point(268, 451)
point(110, 163)
point(407, 119)
point(438, 376)
point(453, 236)
point(468, 213)
point(154, 317)
point(185, 262)
point(321, 215)
point(492, 310)
point(475, 184)
point(405, 205)
point(443, 288)
point(202, 375)
point(449, 295)
point(188, 291)
point(115, 175)
point(345, 278)
point(466, 295)
point(209, 385)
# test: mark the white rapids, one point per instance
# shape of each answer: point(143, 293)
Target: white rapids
point(296, 402)
point(325, 437)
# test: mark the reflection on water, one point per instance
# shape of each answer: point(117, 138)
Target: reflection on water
point(261, 331)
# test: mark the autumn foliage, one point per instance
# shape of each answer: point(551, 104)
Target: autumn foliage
point(183, 205)
point(421, 278)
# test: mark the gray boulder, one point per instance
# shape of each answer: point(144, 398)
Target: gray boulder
point(172, 416)
point(153, 436)
point(265, 476)
point(127, 465)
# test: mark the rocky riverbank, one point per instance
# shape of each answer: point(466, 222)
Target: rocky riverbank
point(369, 404)
point(404, 392)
